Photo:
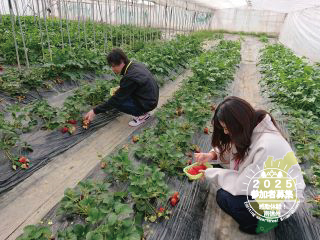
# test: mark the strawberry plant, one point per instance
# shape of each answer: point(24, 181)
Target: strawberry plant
point(293, 85)
point(118, 167)
point(33, 232)
point(146, 185)
point(91, 200)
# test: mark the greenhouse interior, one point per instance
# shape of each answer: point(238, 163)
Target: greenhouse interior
point(160, 119)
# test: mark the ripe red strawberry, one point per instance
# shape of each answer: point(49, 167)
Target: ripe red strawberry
point(195, 170)
point(64, 129)
point(206, 130)
point(161, 209)
point(22, 159)
point(173, 201)
point(72, 121)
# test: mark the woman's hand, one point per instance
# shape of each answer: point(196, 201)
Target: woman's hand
point(205, 157)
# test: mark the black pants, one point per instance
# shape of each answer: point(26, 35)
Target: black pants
point(234, 206)
point(130, 107)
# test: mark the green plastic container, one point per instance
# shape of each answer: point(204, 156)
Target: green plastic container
point(195, 177)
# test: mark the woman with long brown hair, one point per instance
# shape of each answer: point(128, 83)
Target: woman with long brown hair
point(244, 139)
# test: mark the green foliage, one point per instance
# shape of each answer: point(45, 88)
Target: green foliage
point(109, 215)
point(294, 85)
point(292, 82)
point(91, 200)
point(33, 232)
point(92, 38)
point(161, 58)
point(264, 38)
point(146, 185)
point(118, 166)
point(166, 144)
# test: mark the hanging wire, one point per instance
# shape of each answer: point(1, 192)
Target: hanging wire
point(121, 21)
point(93, 25)
point(127, 24)
point(45, 23)
point(2, 11)
point(101, 23)
point(61, 29)
point(130, 19)
point(67, 22)
point(105, 27)
point(139, 20)
point(1, 15)
point(41, 34)
point(23, 16)
point(116, 20)
point(180, 18)
point(78, 16)
point(193, 22)
point(22, 35)
point(84, 25)
point(159, 12)
point(186, 16)
point(170, 21)
point(148, 20)
point(110, 17)
point(14, 33)
point(34, 13)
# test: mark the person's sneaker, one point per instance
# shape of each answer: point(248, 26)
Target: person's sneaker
point(136, 121)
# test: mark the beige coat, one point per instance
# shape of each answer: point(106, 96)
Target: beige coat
point(266, 142)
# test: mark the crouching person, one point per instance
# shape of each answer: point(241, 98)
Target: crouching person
point(138, 93)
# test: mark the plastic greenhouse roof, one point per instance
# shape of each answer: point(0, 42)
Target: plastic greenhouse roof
point(218, 4)
point(272, 5)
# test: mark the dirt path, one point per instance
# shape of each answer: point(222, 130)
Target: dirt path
point(246, 83)
point(217, 224)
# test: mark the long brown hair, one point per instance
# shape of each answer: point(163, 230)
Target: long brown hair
point(240, 119)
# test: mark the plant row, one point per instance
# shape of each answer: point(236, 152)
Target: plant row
point(102, 209)
point(86, 35)
point(168, 143)
point(41, 114)
point(294, 85)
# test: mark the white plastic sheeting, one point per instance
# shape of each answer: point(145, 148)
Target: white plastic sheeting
point(219, 4)
point(285, 6)
point(301, 33)
point(247, 20)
